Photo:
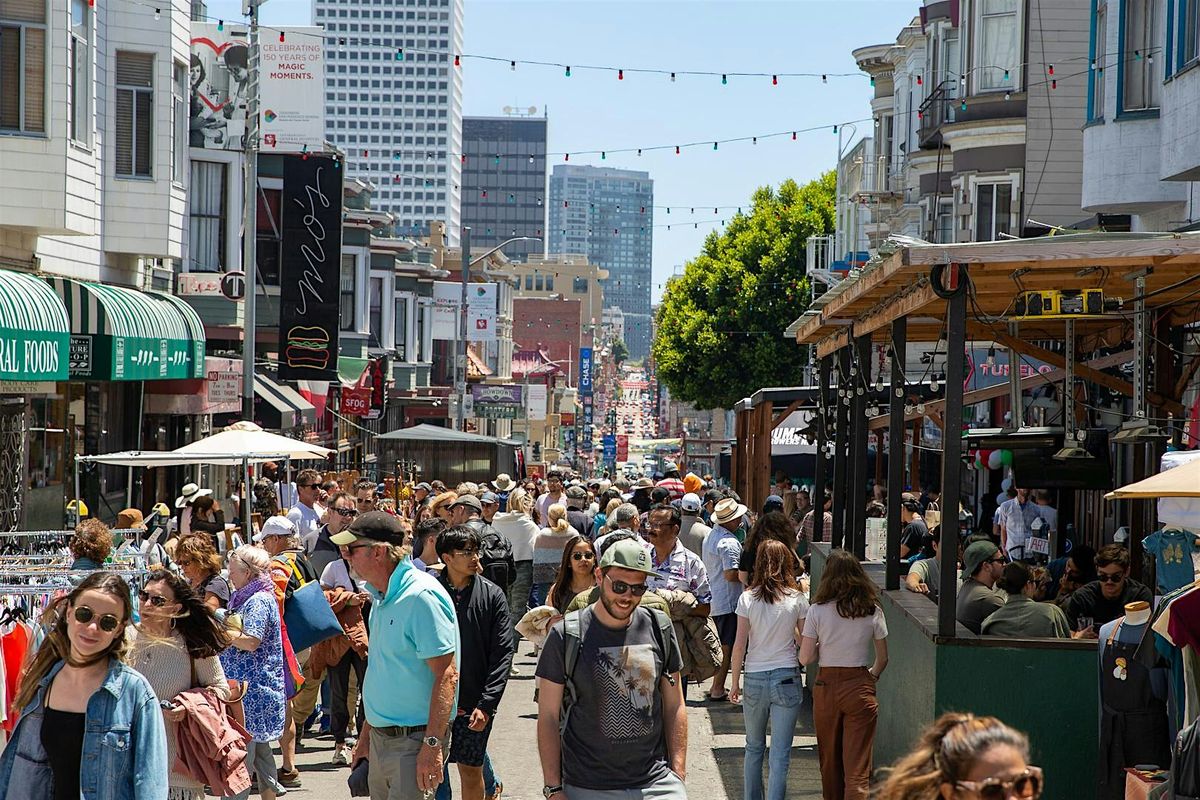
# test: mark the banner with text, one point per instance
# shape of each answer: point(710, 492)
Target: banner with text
point(310, 268)
point(481, 311)
point(585, 370)
point(535, 402)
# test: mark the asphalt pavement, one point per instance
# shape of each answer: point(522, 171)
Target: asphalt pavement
point(716, 749)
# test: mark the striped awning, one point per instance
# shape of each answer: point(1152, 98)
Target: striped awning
point(292, 409)
point(125, 335)
point(34, 333)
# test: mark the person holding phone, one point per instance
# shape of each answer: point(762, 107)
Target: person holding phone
point(177, 646)
point(90, 725)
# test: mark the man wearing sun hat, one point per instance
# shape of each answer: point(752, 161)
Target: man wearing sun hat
point(722, 551)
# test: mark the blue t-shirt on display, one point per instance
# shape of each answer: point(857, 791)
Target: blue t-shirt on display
point(1172, 549)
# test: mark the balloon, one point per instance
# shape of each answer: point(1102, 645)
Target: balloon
point(1006, 457)
point(994, 461)
point(1000, 498)
point(983, 458)
point(1006, 484)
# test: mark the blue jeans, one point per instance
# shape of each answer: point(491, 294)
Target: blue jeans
point(775, 695)
point(489, 780)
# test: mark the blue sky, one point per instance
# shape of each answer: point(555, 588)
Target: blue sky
point(595, 111)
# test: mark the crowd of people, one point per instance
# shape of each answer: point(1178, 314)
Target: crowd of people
point(209, 674)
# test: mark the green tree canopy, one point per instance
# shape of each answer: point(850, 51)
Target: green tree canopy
point(720, 325)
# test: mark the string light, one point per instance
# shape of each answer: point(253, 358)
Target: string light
point(512, 65)
point(620, 74)
point(400, 54)
point(282, 36)
point(457, 60)
point(724, 79)
point(774, 80)
point(157, 15)
point(220, 22)
point(672, 77)
point(568, 72)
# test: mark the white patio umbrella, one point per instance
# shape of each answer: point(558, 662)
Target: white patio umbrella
point(247, 440)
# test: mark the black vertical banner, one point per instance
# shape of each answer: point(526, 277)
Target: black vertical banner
point(310, 268)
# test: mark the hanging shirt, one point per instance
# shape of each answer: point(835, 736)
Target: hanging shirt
point(1172, 549)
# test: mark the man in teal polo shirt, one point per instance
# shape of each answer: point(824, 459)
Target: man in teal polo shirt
point(411, 688)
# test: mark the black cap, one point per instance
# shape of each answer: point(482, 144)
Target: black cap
point(378, 526)
point(469, 500)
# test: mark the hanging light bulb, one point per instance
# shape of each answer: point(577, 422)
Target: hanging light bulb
point(920, 80)
point(676, 149)
point(620, 74)
point(603, 156)
point(568, 72)
point(672, 77)
point(282, 36)
point(824, 79)
point(639, 152)
point(774, 80)
point(899, 391)
point(991, 358)
point(908, 410)
point(221, 27)
point(512, 65)
point(531, 159)
point(724, 79)
point(457, 60)
point(157, 14)
point(714, 145)
point(920, 408)
point(793, 136)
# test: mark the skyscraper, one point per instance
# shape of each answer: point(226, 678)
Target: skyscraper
point(609, 215)
point(393, 103)
point(504, 182)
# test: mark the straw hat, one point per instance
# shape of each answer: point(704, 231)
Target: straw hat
point(728, 510)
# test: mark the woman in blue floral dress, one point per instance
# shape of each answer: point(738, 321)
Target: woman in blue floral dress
point(256, 659)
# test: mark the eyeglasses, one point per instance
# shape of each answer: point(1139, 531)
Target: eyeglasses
point(581, 556)
point(185, 562)
point(347, 512)
point(352, 547)
point(1000, 560)
point(1110, 577)
point(108, 622)
point(621, 587)
point(156, 600)
point(1027, 786)
point(465, 553)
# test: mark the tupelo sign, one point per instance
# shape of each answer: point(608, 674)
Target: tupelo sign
point(309, 268)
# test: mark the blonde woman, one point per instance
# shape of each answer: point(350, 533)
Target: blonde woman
point(518, 528)
point(548, 550)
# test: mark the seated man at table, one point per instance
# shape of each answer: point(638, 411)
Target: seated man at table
point(1104, 599)
point(924, 576)
point(1022, 617)
point(977, 599)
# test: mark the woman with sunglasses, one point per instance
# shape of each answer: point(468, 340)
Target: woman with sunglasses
point(178, 641)
point(576, 573)
point(964, 757)
point(90, 725)
point(201, 565)
point(256, 660)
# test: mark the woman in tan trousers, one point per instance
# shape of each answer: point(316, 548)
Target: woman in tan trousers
point(845, 632)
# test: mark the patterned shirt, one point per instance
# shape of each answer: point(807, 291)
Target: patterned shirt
point(682, 569)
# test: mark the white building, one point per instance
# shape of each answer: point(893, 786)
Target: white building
point(393, 103)
point(612, 323)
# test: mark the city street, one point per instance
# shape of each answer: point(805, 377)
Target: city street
point(716, 747)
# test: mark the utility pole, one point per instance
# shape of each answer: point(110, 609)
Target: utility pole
point(460, 358)
point(250, 216)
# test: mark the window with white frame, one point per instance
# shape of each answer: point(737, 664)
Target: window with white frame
point(998, 45)
point(944, 227)
point(78, 73)
point(400, 322)
point(375, 312)
point(207, 220)
point(1099, 58)
point(179, 122)
point(1191, 29)
point(23, 66)
point(993, 210)
point(424, 343)
point(135, 111)
point(346, 291)
point(1140, 43)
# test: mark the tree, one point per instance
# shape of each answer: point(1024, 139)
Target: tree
point(720, 325)
point(620, 351)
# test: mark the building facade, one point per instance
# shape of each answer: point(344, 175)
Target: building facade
point(608, 214)
point(569, 276)
point(393, 103)
point(504, 183)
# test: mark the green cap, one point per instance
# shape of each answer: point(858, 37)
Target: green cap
point(628, 554)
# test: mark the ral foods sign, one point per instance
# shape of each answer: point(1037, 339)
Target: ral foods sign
point(291, 88)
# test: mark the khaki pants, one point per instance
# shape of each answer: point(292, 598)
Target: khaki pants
point(844, 715)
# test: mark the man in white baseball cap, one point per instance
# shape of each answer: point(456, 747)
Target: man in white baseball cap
point(692, 530)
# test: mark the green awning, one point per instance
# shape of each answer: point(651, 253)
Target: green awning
point(120, 334)
point(34, 332)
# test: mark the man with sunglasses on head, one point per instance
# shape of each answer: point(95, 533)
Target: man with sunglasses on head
point(983, 564)
point(1105, 598)
point(617, 665)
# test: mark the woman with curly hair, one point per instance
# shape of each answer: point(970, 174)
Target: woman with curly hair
point(78, 696)
point(201, 565)
point(843, 624)
point(964, 757)
point(91, 545)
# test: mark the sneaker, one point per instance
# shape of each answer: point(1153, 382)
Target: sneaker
point(341, 756)
point(351, 743)
point(512, 670)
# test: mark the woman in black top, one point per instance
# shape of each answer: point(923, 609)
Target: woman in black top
point(576, 573)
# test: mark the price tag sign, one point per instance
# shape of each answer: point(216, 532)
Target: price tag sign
point(1039, 545)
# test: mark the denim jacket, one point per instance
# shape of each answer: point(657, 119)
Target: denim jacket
point(124, 744)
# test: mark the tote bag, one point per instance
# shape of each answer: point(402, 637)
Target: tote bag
point(308, 617)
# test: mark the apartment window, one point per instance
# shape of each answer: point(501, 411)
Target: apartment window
point(179, 123)
point(1100, 59)
point(1191, 30)
point(549, 283)
point(999, 45)
point(346, 288)
point(528, 283)
point(135, 109)
point(579, 286)
point(993, 208)
point(1140, 43)
point(23, 66)
point(944, 233)
point(400, 323)
point(78, 73)
point(375, 312)
point(206, 223)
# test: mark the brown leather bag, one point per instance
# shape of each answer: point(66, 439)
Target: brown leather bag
point(237, 690)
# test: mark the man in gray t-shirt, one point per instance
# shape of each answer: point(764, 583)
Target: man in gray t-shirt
point(628, 728)
point(977, 599)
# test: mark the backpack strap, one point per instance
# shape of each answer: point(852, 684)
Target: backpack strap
point(572, 643)
point(666, 631)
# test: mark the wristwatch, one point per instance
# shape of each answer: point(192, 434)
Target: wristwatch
point(550, 791)
point(432, 741)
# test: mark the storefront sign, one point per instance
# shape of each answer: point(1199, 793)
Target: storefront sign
point(310, 268)
point(198, 284)
point(366, 398)
point(355, 401)
point(498, 395)
point(567, 419)
point(585, 370)
point(27, 387)
point(497, 412)
point(31, 355)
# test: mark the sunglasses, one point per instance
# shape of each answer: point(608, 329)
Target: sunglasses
point(583, 556)
point(108, 622)
point(347, 512)
point(1108, 577)
point(156, 600)
point(1027, 786)
point(465, 553)
point(621, 587)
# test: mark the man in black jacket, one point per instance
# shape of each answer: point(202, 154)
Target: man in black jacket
point(487, 647)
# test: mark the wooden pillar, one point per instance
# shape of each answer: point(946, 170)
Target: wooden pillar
point(841, 451)
point(896, 456)
point(820, 477)
point(857, 534)
point(956, 340)
point(762, 453)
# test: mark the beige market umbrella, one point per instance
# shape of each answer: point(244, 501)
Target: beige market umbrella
point(247, 441)
point(1181, 481)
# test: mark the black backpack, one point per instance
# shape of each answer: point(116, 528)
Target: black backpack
point(1185, 771)
point(495, 555)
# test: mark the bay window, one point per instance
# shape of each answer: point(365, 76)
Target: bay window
point(207, 221)
point(1099, 60)
point(998, 45)
point(346, 291)
point(23, 66)
point(1140, 40)
point(79, 61)
point(135, 111)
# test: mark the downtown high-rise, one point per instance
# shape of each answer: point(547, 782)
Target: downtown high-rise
point(393, 103)
point(609, 215)
point(504, 182)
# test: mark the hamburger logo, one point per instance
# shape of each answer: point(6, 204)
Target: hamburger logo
point(307, 347)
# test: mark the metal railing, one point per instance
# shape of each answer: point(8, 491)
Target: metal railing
point(937, 110)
